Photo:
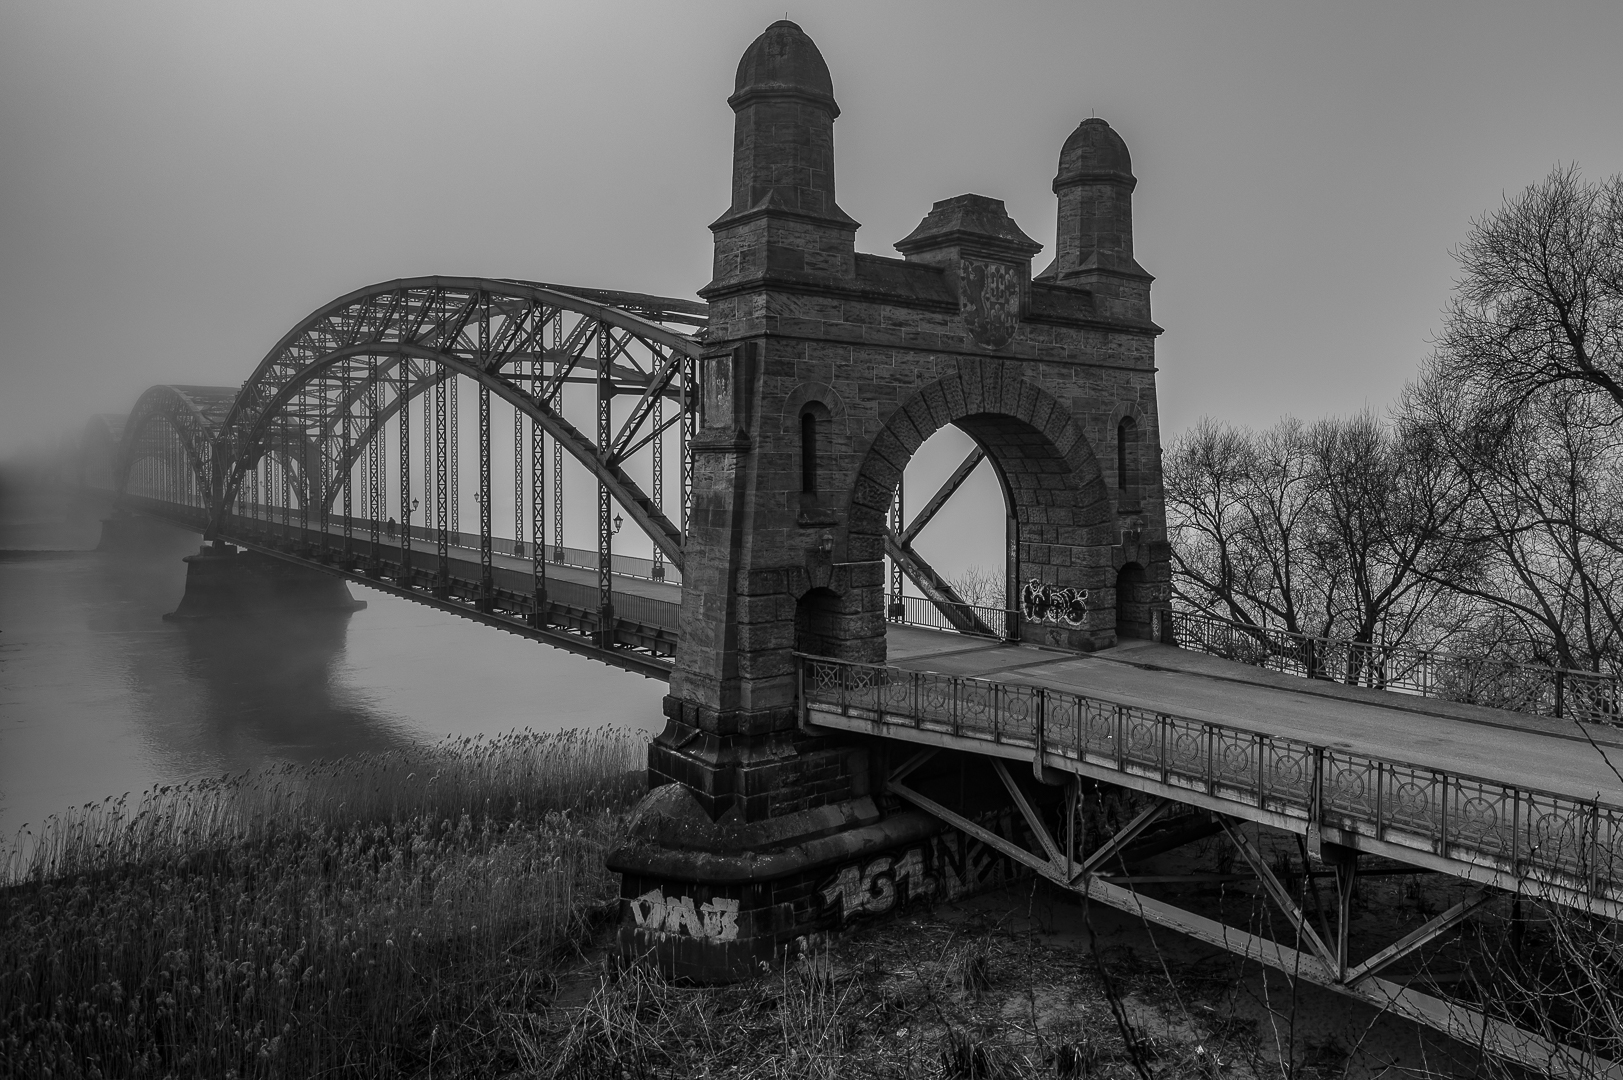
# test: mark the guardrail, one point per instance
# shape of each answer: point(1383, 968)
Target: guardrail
point(571, 609)
point(278, 518)
point(1525, 688)
point(917, 611)
point(1572, 847)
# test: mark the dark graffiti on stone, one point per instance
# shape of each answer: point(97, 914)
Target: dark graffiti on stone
point(989, 297)
point(944, 867)
point(1041, 602)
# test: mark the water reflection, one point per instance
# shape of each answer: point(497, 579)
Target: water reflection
point(265, 687)
point(99, 695)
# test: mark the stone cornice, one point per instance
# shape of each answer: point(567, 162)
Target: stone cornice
point(941, 346)
point(813, 285)
point(810, 284)
point(770, 207)
point(781, 92)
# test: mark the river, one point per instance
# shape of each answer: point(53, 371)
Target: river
point(100, 696)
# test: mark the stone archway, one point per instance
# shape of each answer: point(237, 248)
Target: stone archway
point(1057, 495)
point(819, 620)
point(1133, 598)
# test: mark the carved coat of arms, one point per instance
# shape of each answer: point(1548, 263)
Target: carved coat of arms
point(989, 297)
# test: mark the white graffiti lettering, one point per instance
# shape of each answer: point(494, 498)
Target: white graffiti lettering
point(1041, 602)
point(714, 920)
point(875, 888)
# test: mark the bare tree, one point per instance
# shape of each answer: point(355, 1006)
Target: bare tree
point(1235, 503)
point(1542, 525)
point(1382, 509)
point(1539, 302)
point(1333, 530)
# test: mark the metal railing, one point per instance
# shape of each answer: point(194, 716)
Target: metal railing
point(1572, 846)
point(1501, 684)
point(917, 611)
point(279, 518)
point(639, 622)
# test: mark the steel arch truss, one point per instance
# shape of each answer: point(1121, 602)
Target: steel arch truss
point(330, 384)
point(176, 428)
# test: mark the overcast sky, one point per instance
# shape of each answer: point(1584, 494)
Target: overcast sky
point(181, 182)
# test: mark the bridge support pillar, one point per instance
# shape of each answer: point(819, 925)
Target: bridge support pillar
point(742, 849)
point(222, 582)
point(823, 372)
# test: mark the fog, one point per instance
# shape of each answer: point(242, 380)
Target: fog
point(181, 182)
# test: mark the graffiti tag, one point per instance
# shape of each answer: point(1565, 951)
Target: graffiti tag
point(946, 867)
point(1041, 602)
point(714, 920)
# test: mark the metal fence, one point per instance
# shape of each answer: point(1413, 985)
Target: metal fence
point(1499, 684)
point(1573, 846)
point(917, 611)
point(280, 518)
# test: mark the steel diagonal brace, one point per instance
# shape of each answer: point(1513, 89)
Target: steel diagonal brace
point(986, 836)
point(1034, 822)
point(943, 493)
point(935, 587)
point(1422, 935)
point(639, 412)
point(1113, 847)
point(906, 768)
point(1281, 896)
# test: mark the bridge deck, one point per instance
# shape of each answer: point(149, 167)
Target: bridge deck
point(1525, 751)
point(1497, 798)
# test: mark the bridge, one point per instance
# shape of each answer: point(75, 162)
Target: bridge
point(835, 748)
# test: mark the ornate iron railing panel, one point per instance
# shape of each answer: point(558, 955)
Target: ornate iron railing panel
point(1540, 838)
point(1526, 688)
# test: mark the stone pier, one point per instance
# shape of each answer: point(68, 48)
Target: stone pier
point(222, 582)
point(824, 371)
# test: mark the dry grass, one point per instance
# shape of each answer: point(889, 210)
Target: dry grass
point(373, 917)
point(912, 999)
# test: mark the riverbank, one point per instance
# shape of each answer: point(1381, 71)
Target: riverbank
point(446, 913)
point(371, 917)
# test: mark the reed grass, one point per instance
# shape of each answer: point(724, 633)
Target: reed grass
point(373, 917)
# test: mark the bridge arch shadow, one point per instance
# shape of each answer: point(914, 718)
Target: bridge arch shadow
point(1053, 486)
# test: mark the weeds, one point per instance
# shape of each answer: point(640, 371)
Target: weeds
point(372, 917)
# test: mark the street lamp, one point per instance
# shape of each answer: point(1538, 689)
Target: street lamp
point(618, 521)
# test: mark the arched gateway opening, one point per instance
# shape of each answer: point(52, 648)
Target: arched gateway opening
point(1132, 603)
point(1058, 507)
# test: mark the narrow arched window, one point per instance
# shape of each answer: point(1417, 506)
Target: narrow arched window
point(1124, 453)
point(808, 452)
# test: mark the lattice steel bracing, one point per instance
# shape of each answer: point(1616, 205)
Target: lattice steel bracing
point(518, 483)
point(605, 504)
point(452, 470)
point(442, 484)
point(555, 398)
point(403, 435)
point(897, 522)
point(538, 523)
point(659, 481)
point(281, 458)
point(376, 451)
point(486, 497)
point(347, 430)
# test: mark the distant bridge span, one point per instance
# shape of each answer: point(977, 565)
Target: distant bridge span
point(317, 458)
point(817, 766)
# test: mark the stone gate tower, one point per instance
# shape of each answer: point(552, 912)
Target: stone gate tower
point(824, 371)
